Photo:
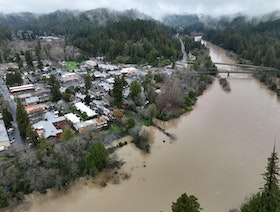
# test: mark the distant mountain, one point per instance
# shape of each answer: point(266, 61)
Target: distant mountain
point(63, 21)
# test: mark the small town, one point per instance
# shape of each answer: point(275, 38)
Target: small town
point(78, 109)
point(139, 106)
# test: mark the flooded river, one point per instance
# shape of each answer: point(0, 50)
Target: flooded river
point(220, 152)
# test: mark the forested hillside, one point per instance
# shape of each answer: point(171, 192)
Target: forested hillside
point(128, 37)
point(130, 41)
point(258, 42)
point(66, 22)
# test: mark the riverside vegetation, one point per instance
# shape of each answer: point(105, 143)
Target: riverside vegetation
point(26, 170)
point(254, 40)
point(45, 166)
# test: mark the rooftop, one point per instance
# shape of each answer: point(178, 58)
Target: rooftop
point(83, 108)
point(72, 118)
point(46, 129)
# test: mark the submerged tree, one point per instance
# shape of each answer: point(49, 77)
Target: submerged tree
point(268, 199)
point(186, 203)
point(96, 159)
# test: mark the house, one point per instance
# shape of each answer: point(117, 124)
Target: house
point(197, 38)
point(106, 86)
point(85, 109)
point(65, 77)
point(102, 121)
point(91, 63)
point(129, 70)
point(80, 96)
point(4, 138)
point(47, 130)
point(98, 74)
point(58, 121)
point(34, 108)
point(22, 88)
point(32, 100)
point(72, 118)
point(110, 80)
point(107, 67)
point(85, 125)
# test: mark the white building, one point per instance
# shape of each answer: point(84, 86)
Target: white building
point(72, 118)
point(83, 108)
point(69, 77)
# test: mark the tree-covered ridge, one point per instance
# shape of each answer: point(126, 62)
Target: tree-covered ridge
point(257, 42)
point(65, 22)
point(129, 41)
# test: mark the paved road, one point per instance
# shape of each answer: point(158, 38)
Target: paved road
point(12, 106)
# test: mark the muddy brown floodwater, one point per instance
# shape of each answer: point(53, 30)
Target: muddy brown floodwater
point(220, 152)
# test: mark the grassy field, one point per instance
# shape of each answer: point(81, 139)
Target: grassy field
point(71, 65)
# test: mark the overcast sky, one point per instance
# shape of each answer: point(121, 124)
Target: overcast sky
point(154, 8)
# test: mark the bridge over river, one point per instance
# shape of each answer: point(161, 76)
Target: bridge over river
point(241, 69)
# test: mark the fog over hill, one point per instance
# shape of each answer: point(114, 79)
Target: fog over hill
point(101, 16)
point(156, 8)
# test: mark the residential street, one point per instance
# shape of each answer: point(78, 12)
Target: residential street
point(12, 106)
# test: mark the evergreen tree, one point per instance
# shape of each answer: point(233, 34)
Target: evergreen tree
point(22, 119)
point(13, 78)
point(268, 199)
point(7, 117)
point(31, 135)
point(40, 63)
point(135, 90)
point(28, 59)
point(55, 92)
point(118, 91)
point(87, 99)
point(19, 61)
point(271, 192)
point(147, 80)
point(88, 82)
point(96, 158)
point(186, 203)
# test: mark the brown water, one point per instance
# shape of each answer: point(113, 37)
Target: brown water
point(220, 152)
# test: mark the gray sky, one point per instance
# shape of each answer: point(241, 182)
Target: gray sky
point(154, 8)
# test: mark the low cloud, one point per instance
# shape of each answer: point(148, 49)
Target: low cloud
point(154, 8)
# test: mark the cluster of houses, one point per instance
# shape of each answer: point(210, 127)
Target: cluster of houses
point(50, 119)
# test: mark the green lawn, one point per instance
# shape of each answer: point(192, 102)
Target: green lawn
point(116, 128)
point(71, 65)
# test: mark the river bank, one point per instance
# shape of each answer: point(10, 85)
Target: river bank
point(193, 162)
point(218, 156)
